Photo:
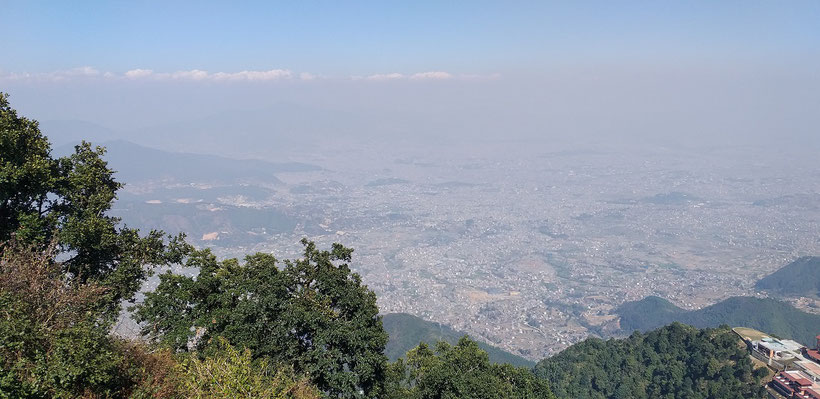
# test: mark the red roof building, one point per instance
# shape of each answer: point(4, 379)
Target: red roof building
point(808, 393)
point(813, 355)
point(793, 384)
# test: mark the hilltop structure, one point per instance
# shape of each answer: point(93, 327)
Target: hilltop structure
point(799, 366)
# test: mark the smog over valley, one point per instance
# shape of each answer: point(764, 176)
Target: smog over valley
point(534, 176)
point(527, 243)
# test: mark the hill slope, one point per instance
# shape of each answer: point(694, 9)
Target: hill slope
point(406, 331)
point(768, 315)
point(676, 361)
point(799, 278)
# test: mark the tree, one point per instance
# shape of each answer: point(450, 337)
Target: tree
point(460, 371)
point(64, 200)
point(55, 317)
point(314, 314)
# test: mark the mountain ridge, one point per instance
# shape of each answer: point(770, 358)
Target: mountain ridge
point(407, 331)
point(764, 314)
point(137, 163)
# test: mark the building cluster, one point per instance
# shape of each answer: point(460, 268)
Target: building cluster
point(800, 375)
point(450, 238)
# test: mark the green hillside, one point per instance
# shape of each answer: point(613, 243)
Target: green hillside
point(676, 361)
point(799, 278)
point(406, 331)
point(769, 315)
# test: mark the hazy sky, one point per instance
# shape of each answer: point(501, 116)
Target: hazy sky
point(733, 68)
point(339, 38)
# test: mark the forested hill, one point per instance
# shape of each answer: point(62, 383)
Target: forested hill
point(799, 278)
point(775, 317)
point(676, 361)
point(407, 331)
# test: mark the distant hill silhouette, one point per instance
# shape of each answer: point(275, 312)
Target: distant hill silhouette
point(799, 278)
point(407, 331)
point(767, 315)
point(135, 163)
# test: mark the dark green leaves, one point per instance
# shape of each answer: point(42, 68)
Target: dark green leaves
point(65, 200)
point(460, 371)
point(313, 315)
point(676, 361)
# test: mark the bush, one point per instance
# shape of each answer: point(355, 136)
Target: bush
point(234, 374)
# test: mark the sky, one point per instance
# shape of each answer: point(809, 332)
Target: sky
point(744, 68)
point(339, 38)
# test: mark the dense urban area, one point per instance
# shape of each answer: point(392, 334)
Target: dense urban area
point(524, 248)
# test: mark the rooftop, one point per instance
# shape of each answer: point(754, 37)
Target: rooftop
point(785, 345)
point(811, 368)
point(796, 377)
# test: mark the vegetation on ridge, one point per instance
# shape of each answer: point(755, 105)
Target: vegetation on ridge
point(676, 361)
point(460, 371)
point(762, 314)
point(239, 329)
point(313, 314)
point(302, 328)
point(407, 331)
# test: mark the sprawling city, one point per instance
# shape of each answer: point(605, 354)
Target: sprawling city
point(529, 251)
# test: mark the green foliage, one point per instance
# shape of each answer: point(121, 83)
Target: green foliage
point(312, 314)
point(770, 315)
point(799, 278)
point(65, 200)
point(234, 374)
point(676, 361)
point(407, 331)
point(51, 344)
point(460, 371)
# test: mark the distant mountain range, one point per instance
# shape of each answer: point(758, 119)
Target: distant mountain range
point(770, 315)
point(135, 163)
point(205, 210)
point(407, 331)
point(799, 278)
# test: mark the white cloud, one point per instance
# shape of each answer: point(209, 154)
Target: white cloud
point(200, 75)
point(80, 72)
point(194, 74)
point(431, 75)
point(87, 72)
point(138, 73)
point(273, 74)
point(386, 76)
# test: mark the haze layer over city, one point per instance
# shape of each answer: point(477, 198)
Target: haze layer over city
point(513, 171)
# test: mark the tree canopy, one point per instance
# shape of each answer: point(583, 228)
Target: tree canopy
point(676, 361)
point(65, 200)
point(460, 371)
point(313, 314)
